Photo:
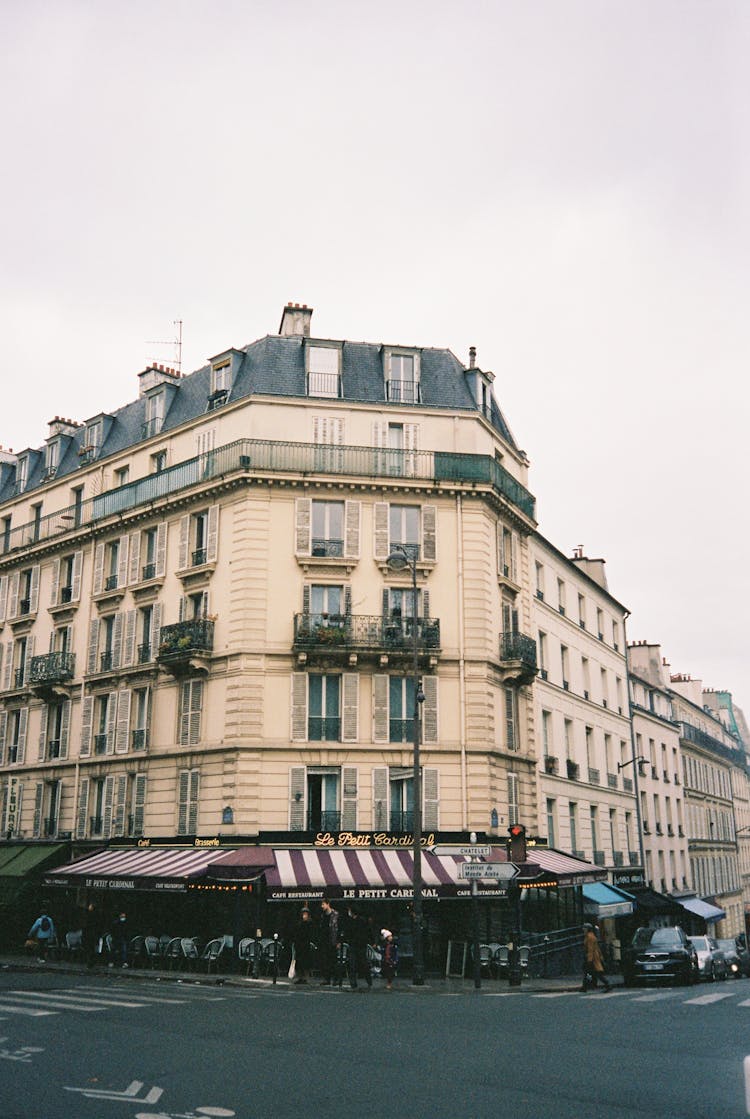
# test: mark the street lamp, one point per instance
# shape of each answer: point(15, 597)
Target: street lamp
point(635, 761)
point(401, 557)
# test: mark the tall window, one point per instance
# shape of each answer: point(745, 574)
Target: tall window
point(546, 731)
point(401, 797)
point(513, 812)
point(594, 828)
point(323, 371)
point(561, 596)
point(188, 789)
point(551, 821)
point(141, 715)
point(326, 601)
point(404, 526)
point(402, 385)
point(324, 709)
point(511, 718)
point(573, 824)
point(328, 528)
point(191, 705)
point(154, 414)
point(401, 708)
point(323, 799)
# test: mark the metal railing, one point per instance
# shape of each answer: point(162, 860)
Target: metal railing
point(323, 820)
point(139, 738)
point(322, 728)
point(52, 668)
point(183, 638)
point(271, 456)
point(53, 749)
point(518, 647)
point(100, 743)
point(362, 631)
point(144, 653)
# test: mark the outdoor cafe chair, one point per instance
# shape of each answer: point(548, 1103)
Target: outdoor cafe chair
point(173, 952)
point(73, 944)
point(249, 951)
point(190, 951)
point(152, 950)
point(211, 953)
point(136, 949)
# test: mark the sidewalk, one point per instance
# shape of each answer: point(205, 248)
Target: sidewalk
point(433, 984)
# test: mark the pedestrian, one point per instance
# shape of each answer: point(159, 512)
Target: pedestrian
point(303, 946)
point(390, 958)
point(90, 933)
point(43, 932)
point(120, 939)
point(358, 935)
point(593, 965)
point(330, 943)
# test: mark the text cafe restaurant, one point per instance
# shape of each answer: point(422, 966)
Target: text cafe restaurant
point(219, 887)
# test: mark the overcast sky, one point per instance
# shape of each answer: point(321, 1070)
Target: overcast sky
point(562, 184)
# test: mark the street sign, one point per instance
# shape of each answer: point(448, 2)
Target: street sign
point(503, 872)
point(470, 851)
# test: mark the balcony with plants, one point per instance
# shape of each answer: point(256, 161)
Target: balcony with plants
point(51, 670)
point(517, 655)
point(187, 644)
point(348, 635)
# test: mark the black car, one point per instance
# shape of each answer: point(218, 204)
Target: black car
point(660, 954)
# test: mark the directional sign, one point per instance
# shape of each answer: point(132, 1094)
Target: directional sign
point(503, 872)
point(468, 852)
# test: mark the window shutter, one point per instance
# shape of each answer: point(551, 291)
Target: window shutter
point(99, 568)
point(23, 723)
point(182, 558)
point(349, 798)
point(93, 643)
point(348, 601)
point(87, 725)
point(303, 526)
point(500, 548)
point(109, 790)
point(65, 728)
point(161, 549)
point(77, 567)
point(155, 629)
point(122, 562)
point(380, 711)
point(381, 544)
point(212, 544)
point(182, 807)
point(380, 797)
point(83, 808)
point(117, 640)
point(43, 733)
point(111, 721)
point(429, 532)
point(430, 709)
point(297, 798)
point(134, 573)
point(411, 439)
point(128, 651)
point(38, 802)
point(350, 707)
point(13, 594)
point(4, 597)
point(55, 588)
point(3, 733)
point(193, 802)
point(425, 604)
point(30, 643)
point(34, 589)
point(512, 798)
point(196, 705)
point(430, 799)
point(306, 599)
point(184, 734)
point(299, 707)
point(123, 721)
point(352, 515)
point(139, 803)
point(386, 604)
point(8, 671)
point(379, 434)
point(118, 823)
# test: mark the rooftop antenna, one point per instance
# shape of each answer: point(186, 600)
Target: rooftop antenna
point(176, 342)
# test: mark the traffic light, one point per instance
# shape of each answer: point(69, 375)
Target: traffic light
point(517, 843)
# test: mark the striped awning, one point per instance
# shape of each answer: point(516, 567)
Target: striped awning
point(546, 861)
point(369, 875)
point(150, 868)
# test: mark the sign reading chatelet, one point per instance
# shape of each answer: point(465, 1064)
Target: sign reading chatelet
point(465, 851)
point(501, 872)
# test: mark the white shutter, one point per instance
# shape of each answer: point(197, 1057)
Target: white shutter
point(380, 798)
point(87, 725)
point(83, 809)
point(182, 558)
point(352, 514)
point(128, 650)
point(212, 543)
point(77, 568)
point(43, 733)
point(134, 573)
point(155, 630)
point(65, 729)
point(193, 802)
point(118, 821)
point(93, 643)
point(349, 798)
point(111, 721)
point(122, 562)
point(13, 594)
point(117, 640)
point(55, 588)
point(299, 707)
point(430, 799)
point(297, 807)
point(429, 532)
point(99, 568)
point(350, 707)
point(22, 727)
point(109, 790)
point(382, 542)
point(34, 590)
point(411, 440)
point(3, 733)
point(303, 526)
point(139, 803)
point(123, 721)
point(38, 803)
point(8, 671)
point(3, 597)
point(380, 709)
point(430, 709)
point(30, 643)
point(182, 801)
point(161, 549)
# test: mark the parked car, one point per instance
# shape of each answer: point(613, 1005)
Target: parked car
point(711, 962)
point(737, 966)
point(656, 954)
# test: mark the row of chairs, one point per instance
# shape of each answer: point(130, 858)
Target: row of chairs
point(494, 959)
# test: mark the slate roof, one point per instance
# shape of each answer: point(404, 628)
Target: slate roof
point(272, 366)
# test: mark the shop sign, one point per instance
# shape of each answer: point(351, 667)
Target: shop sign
point(625, 878)
point(368, 839)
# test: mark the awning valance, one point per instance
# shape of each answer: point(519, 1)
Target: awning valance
point(650, 903)
point(546, 861)
point(702, 909)
point(150, 868)
point(602, 900)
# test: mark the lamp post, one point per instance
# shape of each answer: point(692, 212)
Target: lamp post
point(635, 762)
point(401, 557)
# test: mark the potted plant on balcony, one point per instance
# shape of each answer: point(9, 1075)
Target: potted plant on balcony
point(550, 763)
point(572, 768)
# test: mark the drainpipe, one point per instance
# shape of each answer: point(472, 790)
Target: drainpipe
point(633, 754)
point(461, 664)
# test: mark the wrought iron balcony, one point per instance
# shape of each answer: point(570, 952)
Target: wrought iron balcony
point(110, 583)
point(52, 668)
point(100, 743)
point(96, 825)
point(148, 571)
point(49, 827)
point(53, 749)
point(401, 730)
point(198, 557)
point(319, 820)
point(182, 640)
point(518, 657)
point(401, 820)
point(403, 392)
point(361, 633)
point(139, 738)
point(323, 729)
point(618, 858)
point(145, 653)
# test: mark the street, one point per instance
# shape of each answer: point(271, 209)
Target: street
point(107, 1045)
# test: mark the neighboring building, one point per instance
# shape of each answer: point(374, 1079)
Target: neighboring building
point(659, 771)
point(712, 766)
point(586, 790)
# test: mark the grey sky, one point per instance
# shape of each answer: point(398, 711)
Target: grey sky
point(564, 185)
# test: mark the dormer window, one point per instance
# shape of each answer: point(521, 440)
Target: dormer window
point(323, 371)
point(92, 441)
point(221, 378)
point(402, 378)
point(154, 414)
point(22, 473)
point(52, 458)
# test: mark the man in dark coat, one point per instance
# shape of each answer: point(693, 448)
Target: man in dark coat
point(330, 943)
point(359, 938)
point(303, 946)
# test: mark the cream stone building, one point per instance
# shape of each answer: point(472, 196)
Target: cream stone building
point(202, 633)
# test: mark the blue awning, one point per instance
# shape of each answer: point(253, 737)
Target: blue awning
point(702, 908)
point(601, 900)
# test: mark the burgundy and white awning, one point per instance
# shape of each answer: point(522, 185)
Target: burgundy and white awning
point(141, 868)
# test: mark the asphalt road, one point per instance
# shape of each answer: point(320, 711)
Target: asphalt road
point(107, 1047)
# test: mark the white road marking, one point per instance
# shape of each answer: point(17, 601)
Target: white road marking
point(81, 1001)
point(658, 997)
point(29, 1011)
point(706, 1000)
point(746, 1070)
point(555, 995)
point(746, 1002)
point(97, 992)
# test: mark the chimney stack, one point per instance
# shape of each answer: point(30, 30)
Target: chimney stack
point(295, 320)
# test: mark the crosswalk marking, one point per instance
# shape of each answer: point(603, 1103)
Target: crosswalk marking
point(706, 1000)
point(656, 997)
point(117, 996)
point(29, 1011)
point(71, 1000)
point(554, 995)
